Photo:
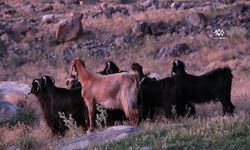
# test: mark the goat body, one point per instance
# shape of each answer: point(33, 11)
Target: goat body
point(111, 91)
point(214, 85)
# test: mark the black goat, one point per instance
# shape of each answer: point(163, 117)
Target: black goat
point(110, 68)
point(214, 85)
point(162, 93)
point(53, 100)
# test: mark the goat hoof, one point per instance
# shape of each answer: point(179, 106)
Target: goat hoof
point(90, 131)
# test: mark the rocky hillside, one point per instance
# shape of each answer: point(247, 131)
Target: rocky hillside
point(54, 32)
point(39, 37)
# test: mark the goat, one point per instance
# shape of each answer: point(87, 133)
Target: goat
point(214, 85)
point(113, 115)
point(115, 91)
point(160, 93)
point(53, 100)
point(110, 68)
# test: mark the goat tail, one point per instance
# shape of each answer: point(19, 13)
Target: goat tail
point(130, 101)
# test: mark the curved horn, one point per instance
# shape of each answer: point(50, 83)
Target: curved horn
point(108, 66)
point(176, 62)
point(53, 80)
point(39, 86)
point(45, 80)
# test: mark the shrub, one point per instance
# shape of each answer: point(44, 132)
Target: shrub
point(237, 33)
point(71, 124)
point(101, 117)
point(24, 115)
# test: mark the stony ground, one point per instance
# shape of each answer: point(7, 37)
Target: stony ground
point(38, 38)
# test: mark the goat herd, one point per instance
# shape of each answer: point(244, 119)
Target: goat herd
point(128, 95)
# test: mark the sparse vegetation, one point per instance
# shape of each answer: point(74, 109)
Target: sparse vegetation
point(237, 34)
point(37, 53)
point(71, 124)
point(200, 133)
point(101, 116)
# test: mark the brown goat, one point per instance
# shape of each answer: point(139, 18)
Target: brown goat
point(115, 91)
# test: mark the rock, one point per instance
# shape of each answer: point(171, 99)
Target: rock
point(11, 90)
point(125, 1)
point(147, 148)
point(47, 8)
point(49, 18)
point(239, 9)
point(127, 38)
point(149, 3)
point(195, 20)
point(177, 50)
point(161, 27)
point(180, 49)
point(7, 110)
point(141, 28)
point(69, 29)
point(112, 134)
point(21, 28)
point(175, 5)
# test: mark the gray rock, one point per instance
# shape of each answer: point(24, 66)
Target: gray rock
point(177, 50)
point(125, 39)
point(69, 29)
point(125, 1)
point(161, 27)
point(7, 110)
point(195, 20)
point(239, 9)
point(141, 28)
point(112, 134)
point(49, 18)
point(149, 3)
point(147, 148)
point(21, 28)
point(9, 89)
point(180, 49)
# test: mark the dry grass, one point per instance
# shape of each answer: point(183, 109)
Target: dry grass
point(233, 52)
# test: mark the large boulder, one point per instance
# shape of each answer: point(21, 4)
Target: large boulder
point(12, 91)
point(112, 134)
point(161, 27)
point(195, 20)
point(69, 29)
point(7, 110)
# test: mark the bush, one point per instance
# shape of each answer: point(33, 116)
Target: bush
point(101, 117)
point(71, 124)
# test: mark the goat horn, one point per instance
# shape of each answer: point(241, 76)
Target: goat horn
point(53, 80)
point(108, 66)
point(176, 62)
point(38, 83)
point(45, 80)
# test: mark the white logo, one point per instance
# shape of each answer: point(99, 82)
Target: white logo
point(219, 33)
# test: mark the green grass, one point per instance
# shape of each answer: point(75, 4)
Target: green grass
point(220, 133)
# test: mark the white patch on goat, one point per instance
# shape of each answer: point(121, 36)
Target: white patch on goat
point(154, 75)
